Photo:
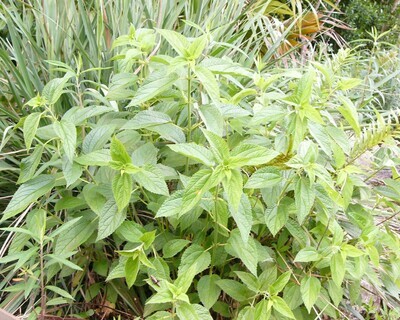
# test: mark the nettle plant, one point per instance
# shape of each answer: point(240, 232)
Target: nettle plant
point(213, 190)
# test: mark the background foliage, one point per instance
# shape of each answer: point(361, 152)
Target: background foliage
point(196, 160)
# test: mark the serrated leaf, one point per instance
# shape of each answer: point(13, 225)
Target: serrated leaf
point(235, 289)
point(132, 267)
point(218, 145)
point(212, 118)
point(172, 247)
point(176, 40)
point(349, 112)
point(76, 235)
point(156, 83)
point(66, 131)
point(109, 219)
point(147, 118)
point(224, 66)
point(310, 288)
point(122, 188)
point(338, 268)
point(152, 179)
point(304, 198)
point(172, 206)
point(281, 306)
point(264, 178)
point(96, 158)
point(209, 82)
point(251, 155)
point(195, 152)
point(28, 193)
point(307, 254)
point(233, 187)
point(196, 47)
point(280, 283)
point(208, 290)
point(243, 216)
point(53, 90)
point(71, 171)
point(186, 311)
point(198, 184)
point(247, 252)
point(276, 218)
point(31, 124)
point(194, 258)
point(97, 138)
point(118, 152)
point(29, 164)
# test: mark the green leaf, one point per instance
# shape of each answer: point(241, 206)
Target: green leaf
point(176, 40)
point(304, 87)
point(53, 90)
point(186, 311)
point(262, 310)
point(71, 171)
point(209, 82)
point(349, 112)
point(131, 270)
point(307, 254)
point(225, 66)
point(212, 118)
point(304, 198)
point(338, 268)
point(156, 83)
point(172, 206)
point(195, 152)
point(243, 217)
point(29, 164)
point(195, 258)
point(122, 188)
point(249, 280)
point(66, 131)
point(233, 187)
point(96, 158)
point(276, 217)
point(208, 290)
point(31, 124)
point(335, 292)
point(97, 138)
point(218, 146)
point(60, 292)
point(235, 289)
point(264, 178)
point(28, 193)
point(196, 47)
point(280, 283)
point(152, 179)
point(76, 235)
point(109, 219)
point(172, 247)
point(310, 288)
point(147, 118)
point(118, 152)
point(247, 252)
point(198, 184)
point(148, 238)
point(61, 260)
point(251, 155)
point(281, 306)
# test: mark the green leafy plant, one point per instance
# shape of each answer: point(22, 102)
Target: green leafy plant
point(197, 187)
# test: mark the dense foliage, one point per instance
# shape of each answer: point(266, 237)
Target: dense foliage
point(166, 168)
point(362, 15)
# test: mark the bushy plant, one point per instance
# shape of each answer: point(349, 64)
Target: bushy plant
point(190, 186)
